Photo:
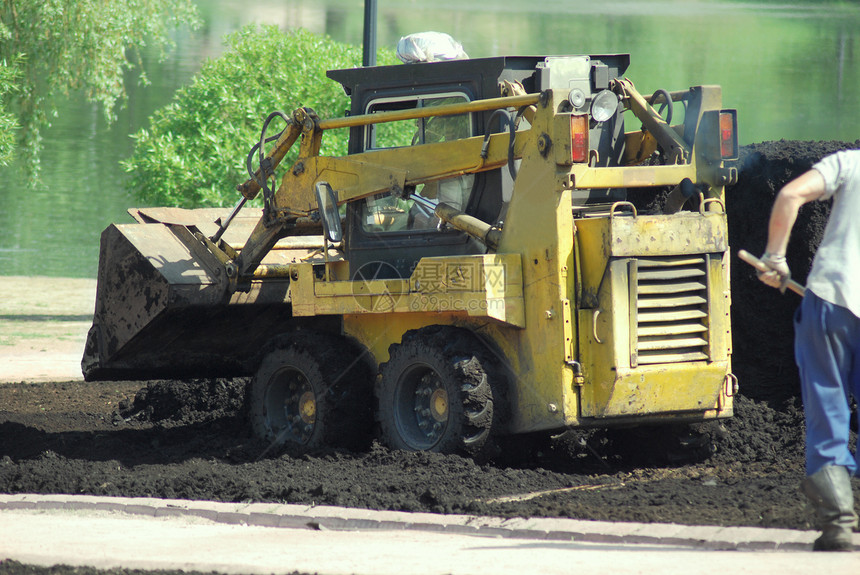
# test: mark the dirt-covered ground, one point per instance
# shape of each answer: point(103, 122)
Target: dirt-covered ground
point(181, 439)
point(190, 440)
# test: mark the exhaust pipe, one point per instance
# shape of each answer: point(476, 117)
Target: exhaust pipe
point(369, 44)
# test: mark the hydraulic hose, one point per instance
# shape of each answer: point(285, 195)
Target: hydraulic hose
point(265, 167)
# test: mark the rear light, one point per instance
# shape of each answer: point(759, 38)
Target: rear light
point(729, 134)
point(579, 138)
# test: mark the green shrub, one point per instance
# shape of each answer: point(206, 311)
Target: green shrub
point(193, 154)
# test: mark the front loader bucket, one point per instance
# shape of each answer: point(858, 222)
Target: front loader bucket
point(163, 309)
point(150, 287)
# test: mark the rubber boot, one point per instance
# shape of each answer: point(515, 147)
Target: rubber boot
point(829, 490)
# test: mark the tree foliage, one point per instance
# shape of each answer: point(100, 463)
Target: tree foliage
point(193, 154)
point(8, 124)
point(52, 48)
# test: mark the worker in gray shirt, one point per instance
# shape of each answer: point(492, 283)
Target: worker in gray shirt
point(827, 335)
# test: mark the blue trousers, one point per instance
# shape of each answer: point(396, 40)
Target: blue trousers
point(827, 351)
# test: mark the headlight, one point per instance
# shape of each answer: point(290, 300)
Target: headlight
point(576, 97)
point(604, 106)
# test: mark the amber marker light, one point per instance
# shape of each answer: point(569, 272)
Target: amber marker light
point(579, 138)
point(729, 134)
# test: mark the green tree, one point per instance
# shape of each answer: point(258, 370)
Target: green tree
point(52, 48)
point(8, 82)
point(8, 124)
point(193, 154)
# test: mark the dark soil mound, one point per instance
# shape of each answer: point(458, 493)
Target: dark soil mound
point(762, 330)
point(185, 402)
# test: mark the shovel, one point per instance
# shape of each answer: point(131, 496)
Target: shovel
point(757, 264)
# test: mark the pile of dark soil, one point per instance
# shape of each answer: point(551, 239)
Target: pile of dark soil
point(762, 329)
point(191, 440)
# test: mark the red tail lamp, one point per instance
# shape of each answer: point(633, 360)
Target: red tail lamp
point(729, 134)
point(579, 137)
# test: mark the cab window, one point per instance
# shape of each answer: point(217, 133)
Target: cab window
point(388, 213)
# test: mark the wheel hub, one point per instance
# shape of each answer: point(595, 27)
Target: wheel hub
point(292, 406)
point(439, 405)
point(308, 407)
point(430, 409)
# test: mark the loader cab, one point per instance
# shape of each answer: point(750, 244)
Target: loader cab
point(385, 235)
point(386, 213)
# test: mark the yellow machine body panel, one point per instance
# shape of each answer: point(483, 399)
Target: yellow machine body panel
point(654, 325)
point(567, 305)
point(479, 286)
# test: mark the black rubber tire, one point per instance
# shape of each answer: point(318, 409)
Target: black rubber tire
point(437, 392)
point(311, 391)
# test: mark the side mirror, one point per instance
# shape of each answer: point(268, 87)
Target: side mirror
point(327, 204)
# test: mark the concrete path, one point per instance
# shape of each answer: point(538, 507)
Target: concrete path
point(269, 538)
point(43, 327)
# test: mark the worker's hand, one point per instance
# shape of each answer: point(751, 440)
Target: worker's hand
point(778, 274)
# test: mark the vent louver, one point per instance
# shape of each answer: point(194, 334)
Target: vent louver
point(669, 297)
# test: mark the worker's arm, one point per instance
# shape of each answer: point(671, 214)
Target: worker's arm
point(806, 188)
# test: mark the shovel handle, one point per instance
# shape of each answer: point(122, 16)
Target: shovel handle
point(757, 264)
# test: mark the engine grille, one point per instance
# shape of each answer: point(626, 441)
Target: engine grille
point(669, 297)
